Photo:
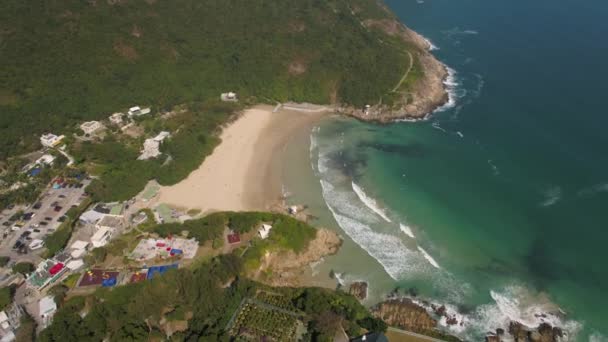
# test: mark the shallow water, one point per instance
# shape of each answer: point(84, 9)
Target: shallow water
point(496, 205)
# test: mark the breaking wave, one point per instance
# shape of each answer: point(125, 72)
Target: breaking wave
point(428, 257)
point(396, 259)
point(552, 196)
point(369, 202)
point(451, 86)
point(406, 230)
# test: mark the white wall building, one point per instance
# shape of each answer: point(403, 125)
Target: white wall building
point(137, 111)
point(265, 231)
point(47, 308)
point(91, 127)
point(229, 97)
point(152, 146)
point(101, 237)
point(46, 159)
point(51, 140)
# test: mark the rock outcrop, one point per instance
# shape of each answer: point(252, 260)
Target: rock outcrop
point(405, 314)
point(286, 268)
point(543, 333)
point(358, 290)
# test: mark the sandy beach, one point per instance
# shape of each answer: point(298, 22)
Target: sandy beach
point(244, 171)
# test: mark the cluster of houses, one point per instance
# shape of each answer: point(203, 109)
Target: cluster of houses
point(107, 220)
point(10, 321)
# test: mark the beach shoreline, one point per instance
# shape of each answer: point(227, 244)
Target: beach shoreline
point(244, 171)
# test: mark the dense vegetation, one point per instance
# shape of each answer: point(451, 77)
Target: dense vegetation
point(64, 62)
point(122, 176)
point(24, 268)
point(136, 312)
point(6, 296)
point(287, 233)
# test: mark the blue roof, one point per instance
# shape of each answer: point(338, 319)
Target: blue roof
point(35, 172)
point(159, 269)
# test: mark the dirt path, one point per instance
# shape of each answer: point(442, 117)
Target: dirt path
point(406, 72)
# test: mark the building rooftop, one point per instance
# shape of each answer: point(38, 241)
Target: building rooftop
point(110, 221)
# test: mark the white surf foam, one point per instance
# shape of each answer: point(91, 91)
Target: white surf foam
point(451, 84)
point(451, 312)
point(516, 303)
point(369, 202)
point(435, 125)
point(459, 133)
point(495, 169)
point(429, 43)
point(552, 196)
point(406, 230)
point(597, 337)
point(592, 190)
point(396, 259)
point(428, 257)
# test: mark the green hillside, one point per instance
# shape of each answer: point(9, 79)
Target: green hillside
point(65, 61)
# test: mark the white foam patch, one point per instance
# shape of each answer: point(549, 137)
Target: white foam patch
point(370, 202)
point(450, 313)
point(428, 257)
point(459, 133)
point(552, 196)
point(406, 230)
point(451, 85)
point(595, 189)
point(396, 259)
point(429, 43)
point(597, 337)
point(435, 125)
point(515, 303)
point(495, 169)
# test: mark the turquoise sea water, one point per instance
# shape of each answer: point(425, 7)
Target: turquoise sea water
point(498, 205)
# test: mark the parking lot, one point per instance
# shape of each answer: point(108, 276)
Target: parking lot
point(38, 221)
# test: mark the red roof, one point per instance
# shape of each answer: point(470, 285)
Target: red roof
point(160, 244)
point(56, 268)
point(234, 238)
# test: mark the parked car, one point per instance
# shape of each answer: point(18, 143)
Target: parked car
point(61, 196)
point(36, 230)
point(37, 205)
point(62, 218)
point(6, 224)
point(43, 223)
point(58, 208)
point(48, 218)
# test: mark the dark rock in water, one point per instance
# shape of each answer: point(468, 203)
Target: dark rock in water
point(439, 310)
point(413, 292)
point(451, 321)
point(359, 290)
point(543, 333)
point(493, 338)
point(518, 331)
point(405, 314)
point(500, 331)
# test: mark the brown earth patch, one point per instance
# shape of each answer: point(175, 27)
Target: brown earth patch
point(150, 2)
point(136, 31)
point(8, 98)
point(125, 51)
point(297, 26)
point(297, 67)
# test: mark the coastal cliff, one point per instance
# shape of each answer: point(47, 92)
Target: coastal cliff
point(426, 89)
point(287, 268)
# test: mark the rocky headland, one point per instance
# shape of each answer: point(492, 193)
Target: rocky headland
point(426, 94)
point(287, 268)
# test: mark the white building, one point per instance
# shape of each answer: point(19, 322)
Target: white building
point(152, 146)
point(116, 118)
point(101, 237)
point(91, 217)
point(91, 127)
point(137, 111)
point(46, 159)
point(110, 222)
point(47, 308)
point(229, 97)
point(36, 244)
point(51, 140)
point(265, 231)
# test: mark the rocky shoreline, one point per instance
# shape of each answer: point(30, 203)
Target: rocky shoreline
point(423, 317)
point(427, 94)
